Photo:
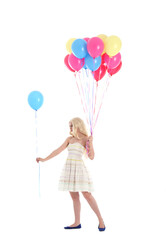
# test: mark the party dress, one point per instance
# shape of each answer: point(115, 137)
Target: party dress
point(74, 176)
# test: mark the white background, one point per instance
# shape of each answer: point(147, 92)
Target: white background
point(129, 170)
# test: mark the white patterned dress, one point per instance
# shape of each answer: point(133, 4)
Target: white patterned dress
point(75, 176)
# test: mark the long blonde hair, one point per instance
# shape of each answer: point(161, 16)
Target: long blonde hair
point(78, 123)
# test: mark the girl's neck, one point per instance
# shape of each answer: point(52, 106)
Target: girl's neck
point(80, 135)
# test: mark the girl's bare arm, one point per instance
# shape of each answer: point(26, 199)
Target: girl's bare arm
point(55, 152)
point(90, 148)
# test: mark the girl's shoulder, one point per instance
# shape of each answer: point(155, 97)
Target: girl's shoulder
point(68, 139)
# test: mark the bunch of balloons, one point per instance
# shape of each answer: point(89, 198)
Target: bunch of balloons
point(90, 59)
point(98, 54)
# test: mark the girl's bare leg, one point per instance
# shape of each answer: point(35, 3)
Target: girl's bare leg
point(93, 204)
point(77, 208)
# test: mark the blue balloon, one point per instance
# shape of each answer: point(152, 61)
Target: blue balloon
point(85, 67)
point(79, 48)
point(35, 100)
point(92, 63)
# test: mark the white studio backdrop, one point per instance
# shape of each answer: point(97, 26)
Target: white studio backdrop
point(130, 136)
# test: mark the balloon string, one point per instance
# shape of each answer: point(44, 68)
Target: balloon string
point(37, 149)
point(89, 100)
point(86, 72)
point(83, 93)
point(86, 81)
point(82, 101)
point(84, 89)
point(92, 98)
point(95, 100)
point(107, 84)
point(92, 107)
point(88, 96)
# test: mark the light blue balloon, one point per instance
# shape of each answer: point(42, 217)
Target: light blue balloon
point(92, 63)
point(85, 67)
point(35, 100)
point(79, 48)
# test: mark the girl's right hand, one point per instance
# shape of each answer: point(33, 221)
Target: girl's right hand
point(39, 159)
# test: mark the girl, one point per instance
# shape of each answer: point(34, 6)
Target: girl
point(75, 177)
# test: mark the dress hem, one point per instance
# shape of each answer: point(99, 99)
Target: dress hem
point(70, 190)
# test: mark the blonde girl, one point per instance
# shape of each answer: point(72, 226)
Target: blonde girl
point(75, 177)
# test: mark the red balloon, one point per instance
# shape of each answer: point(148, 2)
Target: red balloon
point(103, 59)
point(67, 63)
point(95, 47)
point(86, 39)
point(99, 73)
point(114, 70)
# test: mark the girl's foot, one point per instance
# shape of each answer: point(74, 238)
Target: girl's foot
point(101, 224)
point(74, 225)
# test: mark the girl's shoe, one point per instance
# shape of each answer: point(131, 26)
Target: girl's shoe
point(101, 229)
point(77, 227)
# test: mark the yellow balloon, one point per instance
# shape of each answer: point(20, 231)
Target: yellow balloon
point(113, 45)
point(69, 43)
point(103, 37)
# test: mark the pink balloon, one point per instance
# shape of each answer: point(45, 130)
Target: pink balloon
point(86, 39)
point(95, 47)
point(114, 70)
point(66, 61)
point(113, 62)
point(75, 63)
